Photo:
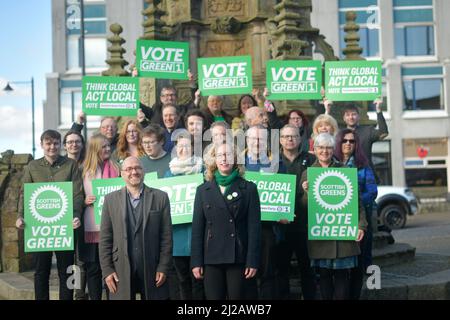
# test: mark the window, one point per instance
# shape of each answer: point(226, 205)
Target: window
point(367, 18)
point(414, 28)
point(95, 45)
point(381, 159)
point(423, 88)
point(71, 103)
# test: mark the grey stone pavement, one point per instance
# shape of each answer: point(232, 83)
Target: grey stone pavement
point(427, 276)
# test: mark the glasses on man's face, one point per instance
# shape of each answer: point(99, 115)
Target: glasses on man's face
point(149, 143)
point(168, 95)
point(287, 137)
point(70, 142)
point(351, 141)
point(322, 148)
point(106, 127)
point(130, 169)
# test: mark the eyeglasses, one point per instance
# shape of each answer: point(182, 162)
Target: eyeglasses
point(130, 169)
point(290, 137)
point(73, 142)
point(322, 148)
point(149, 143)
point(227, 155)
point(351, 141)
point(168, 95)
point(132, 132)
point(295, 118)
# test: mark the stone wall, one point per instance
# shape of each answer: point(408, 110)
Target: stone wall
point(12, 257)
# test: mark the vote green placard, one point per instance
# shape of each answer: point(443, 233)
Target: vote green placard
point(100, 188)
point(162, 59)
point(48, 214)
point(225, 75)
point(276, 194)
point(332, 204)
point(181, 191)
point(353, 80)
point(110, 96)
point(294, 79)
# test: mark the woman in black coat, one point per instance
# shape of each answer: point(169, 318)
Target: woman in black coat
point(226, 227)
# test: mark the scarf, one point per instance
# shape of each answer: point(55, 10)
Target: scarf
point(91, 230)
point(226, 181)
point(191, 165)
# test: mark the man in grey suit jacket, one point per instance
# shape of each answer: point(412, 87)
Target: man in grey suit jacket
point(136, 238)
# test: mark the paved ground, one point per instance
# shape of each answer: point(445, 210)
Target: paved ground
point(429, 233)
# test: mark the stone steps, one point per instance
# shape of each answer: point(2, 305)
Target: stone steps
point(393, 254)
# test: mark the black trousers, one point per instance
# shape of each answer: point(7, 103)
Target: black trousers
point(334, 284)
point(190, 288)
point(224, 281)
point(137, 285)
point(265, 277)
point(94, 280)
point(295, 242)
point(43, 262)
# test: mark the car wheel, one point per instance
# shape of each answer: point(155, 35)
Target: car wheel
point(393, 216)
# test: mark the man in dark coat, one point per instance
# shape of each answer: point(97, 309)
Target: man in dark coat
point(135, 246)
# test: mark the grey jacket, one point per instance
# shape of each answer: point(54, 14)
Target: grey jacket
point(157, 238)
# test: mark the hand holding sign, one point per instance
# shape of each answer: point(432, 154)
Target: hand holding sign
point(377, 104)
point(76, 223)
point(20, 224)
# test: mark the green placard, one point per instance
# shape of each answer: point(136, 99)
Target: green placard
point(181, 191)
point(110, 96)
point(149, 177)
point(276, 194)
point(225, 75)
point(162, 59)
point(48, 216)
point(294, 79)
point(353, 80)
point(100, 188)
point(332, 204)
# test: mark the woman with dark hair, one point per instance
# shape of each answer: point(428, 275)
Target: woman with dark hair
point(74, 145)
point(245, 102)
point(349, 151)
point(214, 111)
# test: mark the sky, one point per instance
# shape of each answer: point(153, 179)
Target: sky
point(26, 42)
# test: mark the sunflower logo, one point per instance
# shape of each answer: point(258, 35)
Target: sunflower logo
point(48, 204)
point(338, 181)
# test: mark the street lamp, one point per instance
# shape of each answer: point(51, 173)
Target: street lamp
point(9, 89)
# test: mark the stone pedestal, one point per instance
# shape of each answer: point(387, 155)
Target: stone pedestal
point(12, 256)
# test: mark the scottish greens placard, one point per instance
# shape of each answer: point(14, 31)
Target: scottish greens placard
point(48, 215)
point(332, 203)
point(294, 79)
point(276, 194)
point(225, 75)
point(162, 59)
point(110, 96)
point(353, 80)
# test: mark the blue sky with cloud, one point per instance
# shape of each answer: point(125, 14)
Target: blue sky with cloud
point(26, 40)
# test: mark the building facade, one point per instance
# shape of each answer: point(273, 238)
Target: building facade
point(409, 36)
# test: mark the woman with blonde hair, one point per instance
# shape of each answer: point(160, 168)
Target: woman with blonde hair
point(97, 165)
point(324, 123)
point(226, 227)
point(130, 142)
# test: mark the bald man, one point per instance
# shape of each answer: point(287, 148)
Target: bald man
point(136, 238)
point(254, 117)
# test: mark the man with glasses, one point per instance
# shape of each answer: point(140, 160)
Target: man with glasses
point(296, 232)
point(135, 246)
point(108, 128)
point(168, 96)
point(155, 159)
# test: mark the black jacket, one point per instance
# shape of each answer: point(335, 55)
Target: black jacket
point(226, 231)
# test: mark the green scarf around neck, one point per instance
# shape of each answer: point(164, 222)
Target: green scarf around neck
point(226, 181)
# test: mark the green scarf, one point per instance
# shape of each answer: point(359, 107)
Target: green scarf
point(226, 181)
